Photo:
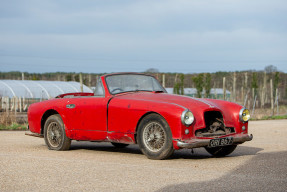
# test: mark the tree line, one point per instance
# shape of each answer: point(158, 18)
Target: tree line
point(243, 85)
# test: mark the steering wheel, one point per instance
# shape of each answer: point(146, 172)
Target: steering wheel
point(117, 89)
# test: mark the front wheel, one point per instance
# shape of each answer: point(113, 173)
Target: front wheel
point(154, 137)
point(221, 151)
point(54, 134)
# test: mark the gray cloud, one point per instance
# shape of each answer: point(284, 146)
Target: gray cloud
point(194, 36)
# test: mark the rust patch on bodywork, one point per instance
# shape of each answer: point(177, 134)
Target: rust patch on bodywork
point(120, 138)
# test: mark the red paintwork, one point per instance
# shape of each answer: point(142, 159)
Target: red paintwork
point(115, 118)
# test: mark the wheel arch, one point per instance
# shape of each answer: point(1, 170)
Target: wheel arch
point(140, 120)
point(45, 116)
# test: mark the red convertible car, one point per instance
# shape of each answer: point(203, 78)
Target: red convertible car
point(132, 108)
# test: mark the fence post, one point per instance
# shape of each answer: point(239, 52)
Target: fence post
point(277, 105)
point(90, 80)
point(20, 98)
point(16, 104)
point(263, 90)
point(224, 89)
point(234, 87)
point(175, 79)
point(253, 108)
point(272, 100)
point(5, 103)
point(1, 107)
point(9, 103)
point(163, 80)
point(25, 107)
point(12, 104)
point(81, 82)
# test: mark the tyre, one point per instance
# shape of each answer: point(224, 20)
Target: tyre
point(55, 135)
point(154, 137)
point(221, 151)
point(119, 145)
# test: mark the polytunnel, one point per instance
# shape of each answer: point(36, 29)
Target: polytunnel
point(39, 89)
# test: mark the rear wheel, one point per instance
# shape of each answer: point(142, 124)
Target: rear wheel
point(221, 151)
point(154, 137)
point(54, 134)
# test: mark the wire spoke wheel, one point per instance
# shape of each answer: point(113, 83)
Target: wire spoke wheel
point(154, 136)
point(54, 134)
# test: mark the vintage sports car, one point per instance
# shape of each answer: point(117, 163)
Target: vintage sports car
point(132, 108)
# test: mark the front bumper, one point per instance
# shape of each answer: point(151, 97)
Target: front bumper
point(195, 143)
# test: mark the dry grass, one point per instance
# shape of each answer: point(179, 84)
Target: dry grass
point(8, 121)
point(267, 112)
point(7, 118)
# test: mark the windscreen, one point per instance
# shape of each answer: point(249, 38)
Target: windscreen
point(132, 82)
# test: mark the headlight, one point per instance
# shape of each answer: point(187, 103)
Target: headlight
point(244, 115)
point(187, 117)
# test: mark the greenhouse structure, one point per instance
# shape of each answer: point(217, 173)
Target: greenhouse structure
point(18, 94)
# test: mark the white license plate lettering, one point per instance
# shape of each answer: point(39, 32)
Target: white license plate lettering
point(221, 142)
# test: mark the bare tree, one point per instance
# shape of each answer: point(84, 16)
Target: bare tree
point(152, 70)
point(270, 69)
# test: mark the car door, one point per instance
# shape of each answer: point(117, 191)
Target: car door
point(86, 118)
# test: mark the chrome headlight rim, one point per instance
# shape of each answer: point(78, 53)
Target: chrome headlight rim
point(184, 114)
point(241, 115)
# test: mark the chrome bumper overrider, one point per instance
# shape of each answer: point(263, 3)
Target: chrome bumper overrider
point(195, 143)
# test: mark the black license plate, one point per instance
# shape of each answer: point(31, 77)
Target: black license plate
point(220, 142)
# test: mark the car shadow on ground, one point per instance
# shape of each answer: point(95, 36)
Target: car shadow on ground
point(198, 153)
point(102, 146)
point(264, 172)
point(201, 153)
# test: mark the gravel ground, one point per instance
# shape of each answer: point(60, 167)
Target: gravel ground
point(258, 165)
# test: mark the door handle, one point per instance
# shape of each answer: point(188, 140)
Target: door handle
point(71, 106)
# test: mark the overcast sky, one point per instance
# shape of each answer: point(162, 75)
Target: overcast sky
point(97, 36)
